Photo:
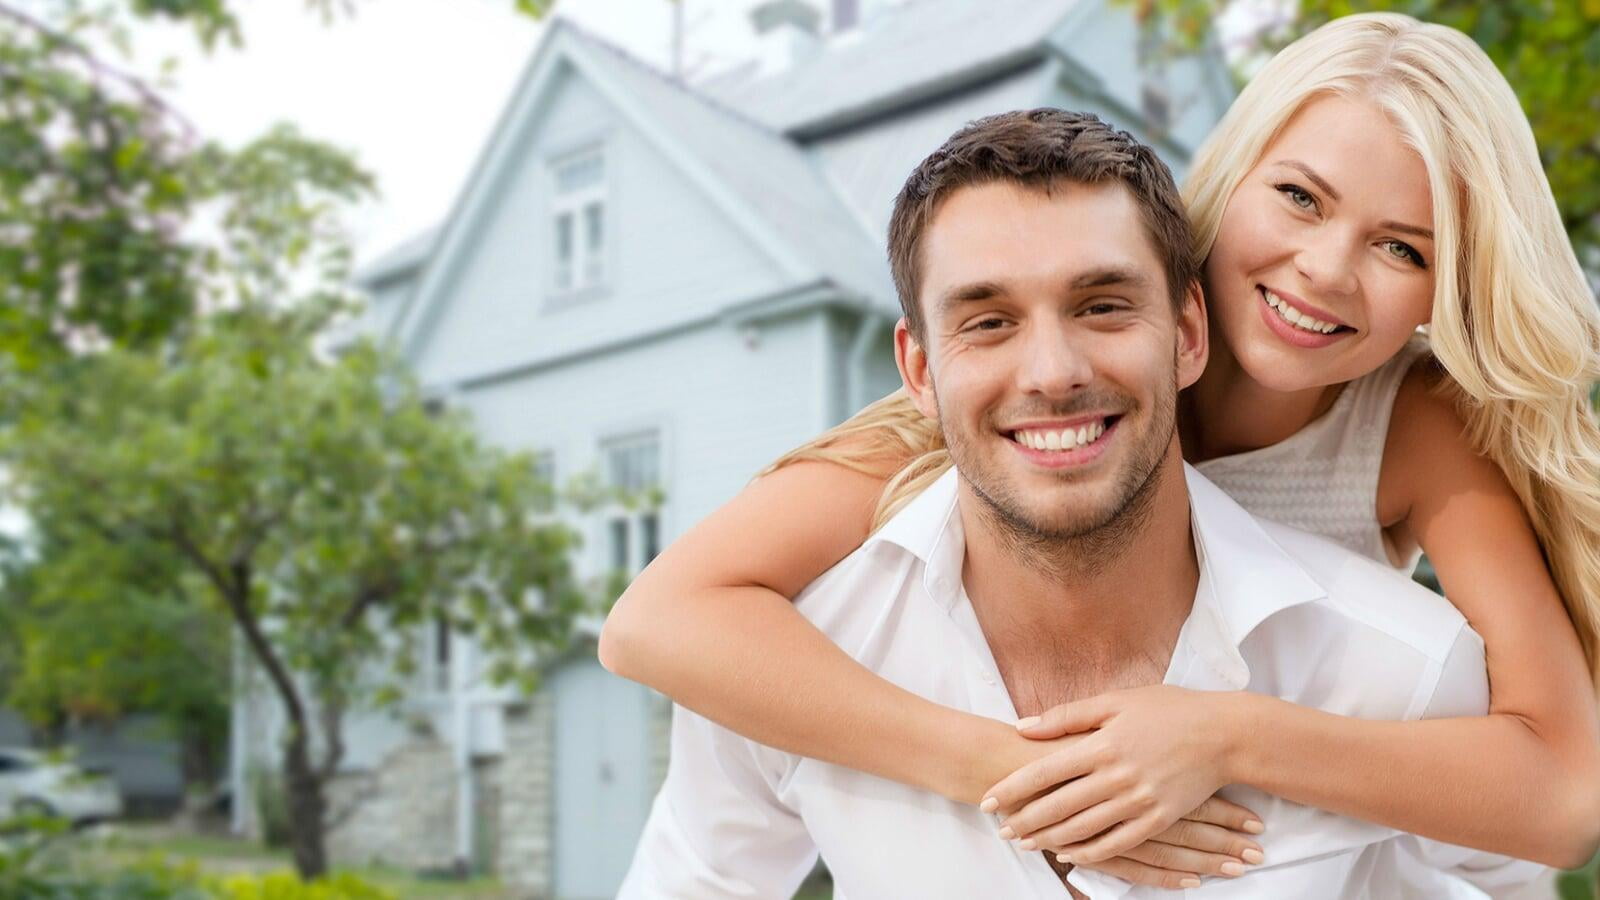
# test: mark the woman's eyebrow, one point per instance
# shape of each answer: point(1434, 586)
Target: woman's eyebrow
point(1402, 227)
point(1318, 180)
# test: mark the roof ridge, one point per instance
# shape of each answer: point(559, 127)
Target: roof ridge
point(666, 78)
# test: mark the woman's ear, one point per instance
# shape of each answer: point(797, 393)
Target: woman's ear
point(912, 360)
point(1194, 345)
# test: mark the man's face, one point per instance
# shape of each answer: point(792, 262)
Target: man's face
point(1053, 356)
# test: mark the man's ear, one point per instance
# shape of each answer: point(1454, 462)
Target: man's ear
point(1194, 345)
point(912, 359)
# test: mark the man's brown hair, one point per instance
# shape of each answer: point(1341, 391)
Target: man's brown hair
point(1038, 148)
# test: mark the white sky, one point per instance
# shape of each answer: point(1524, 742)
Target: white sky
point(412, 87)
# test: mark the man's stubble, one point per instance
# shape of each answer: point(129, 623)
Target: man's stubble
point(1082, 548)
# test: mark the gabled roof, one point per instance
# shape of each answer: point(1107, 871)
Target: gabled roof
point(920, 50)
point(766, 184)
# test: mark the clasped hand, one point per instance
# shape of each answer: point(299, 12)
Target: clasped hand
point(1134, 797)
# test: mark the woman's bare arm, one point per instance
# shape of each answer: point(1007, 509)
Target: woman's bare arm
point(709, 623)
point(1524, 780)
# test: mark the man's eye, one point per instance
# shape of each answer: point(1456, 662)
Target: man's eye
point(1100, 309)
point(1298, 195)
point(987, 324)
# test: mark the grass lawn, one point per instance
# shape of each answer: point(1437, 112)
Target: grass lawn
point(223, 855)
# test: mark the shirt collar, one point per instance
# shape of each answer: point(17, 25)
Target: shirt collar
point(929, 527)
point(1251, 575)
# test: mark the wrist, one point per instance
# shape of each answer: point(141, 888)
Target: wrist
point(983, 751)
point(1240, 719)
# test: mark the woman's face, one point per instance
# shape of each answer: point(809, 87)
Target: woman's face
point(1323, 264)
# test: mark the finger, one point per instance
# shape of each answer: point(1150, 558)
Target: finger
point(1183, 859)
point(1218, 811)
point(1114, 840)
point(1142, 873)
point(1067, 718)
point(1036, 777)
point(1059, 805)
point(1091, 822)
point(1210, 838)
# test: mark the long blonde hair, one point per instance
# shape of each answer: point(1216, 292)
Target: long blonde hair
point(1514, 322)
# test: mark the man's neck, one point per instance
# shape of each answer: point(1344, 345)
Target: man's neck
point(1089, 615)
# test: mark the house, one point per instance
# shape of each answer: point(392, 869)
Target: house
point(670, 284)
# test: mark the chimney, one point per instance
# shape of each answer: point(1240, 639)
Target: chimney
point(786, 33)
point(846, 14)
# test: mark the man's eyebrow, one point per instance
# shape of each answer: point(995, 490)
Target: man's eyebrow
point(1107, 276)
point(976, 290)
point(1311, 173)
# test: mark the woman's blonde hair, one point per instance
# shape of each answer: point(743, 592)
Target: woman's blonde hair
point(1514, 321)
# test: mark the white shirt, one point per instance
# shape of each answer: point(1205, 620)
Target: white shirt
point(1277, 611)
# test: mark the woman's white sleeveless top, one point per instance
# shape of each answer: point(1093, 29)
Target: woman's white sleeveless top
point(1324, 477)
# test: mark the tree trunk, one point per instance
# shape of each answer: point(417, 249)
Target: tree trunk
point(307, 808)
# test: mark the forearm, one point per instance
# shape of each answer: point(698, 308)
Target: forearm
point(745, 658)
point(1488, 782)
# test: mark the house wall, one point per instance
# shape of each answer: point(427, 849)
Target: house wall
point(672, 255)
point(723, 408)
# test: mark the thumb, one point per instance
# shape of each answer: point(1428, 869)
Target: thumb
point(1067, 718)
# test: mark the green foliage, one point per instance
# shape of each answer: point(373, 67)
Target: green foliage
point(41, 859)
point(1549, 51)
point(287, 886)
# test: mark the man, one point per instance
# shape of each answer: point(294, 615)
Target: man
point(1042, 264)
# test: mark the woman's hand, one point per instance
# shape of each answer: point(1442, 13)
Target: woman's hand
point(1153, 755)
point(1211, 840)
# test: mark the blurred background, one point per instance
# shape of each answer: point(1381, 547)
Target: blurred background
point(356, 353)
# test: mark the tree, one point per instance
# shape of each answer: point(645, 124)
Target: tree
point(98, 631)
point(325, 507)
point(1549, 51)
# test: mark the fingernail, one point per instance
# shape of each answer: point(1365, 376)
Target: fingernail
point(1190, 882)
point(1007, 834)
point(989, 804)
point(1253, 856)
point(1232, 869)
point(1028, 722)
point(1063, 858)
point(1254, 826)
point(1028, 844)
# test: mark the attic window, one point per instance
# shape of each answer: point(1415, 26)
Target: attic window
point(578, 221)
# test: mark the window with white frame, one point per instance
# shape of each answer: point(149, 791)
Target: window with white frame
point(632, 466)
point(578, 220)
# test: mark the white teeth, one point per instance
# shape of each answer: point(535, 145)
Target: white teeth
point(1295, 317)
point(1067, 439)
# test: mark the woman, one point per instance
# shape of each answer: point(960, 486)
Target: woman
point(1376, 176)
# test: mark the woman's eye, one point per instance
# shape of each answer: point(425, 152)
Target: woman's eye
point(1403, 251)
point(1298, 195)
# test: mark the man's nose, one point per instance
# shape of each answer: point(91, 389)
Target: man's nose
point(1054, 362)
point(1328, 262)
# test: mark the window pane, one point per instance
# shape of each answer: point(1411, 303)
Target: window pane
point(564, 244)
point(633, 464)
point(580, 172)
point(594, 225)
point(649, 536)
point(619, 544)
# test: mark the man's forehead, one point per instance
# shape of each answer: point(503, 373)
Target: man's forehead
point(1003, 232)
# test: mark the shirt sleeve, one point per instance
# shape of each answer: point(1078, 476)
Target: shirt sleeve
point(1463, 690)
point(717, 830)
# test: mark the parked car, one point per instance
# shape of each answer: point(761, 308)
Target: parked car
point(38, 783)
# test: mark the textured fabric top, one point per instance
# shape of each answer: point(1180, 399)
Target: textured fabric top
point(1324, 478)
